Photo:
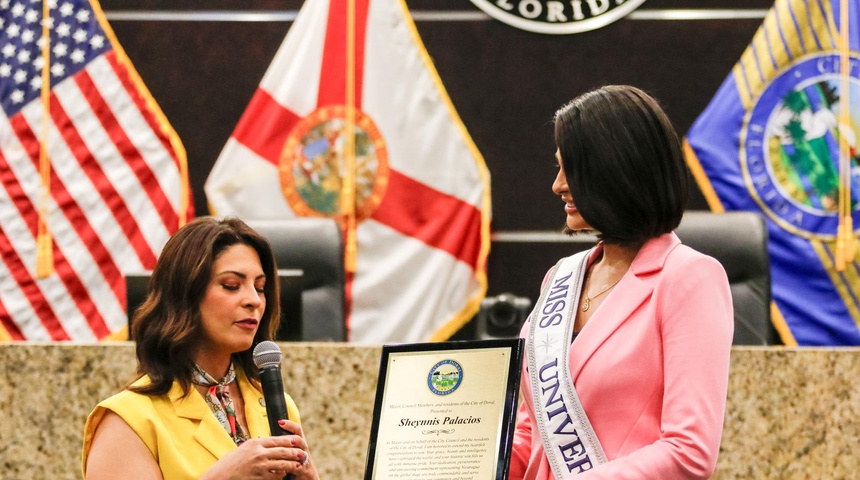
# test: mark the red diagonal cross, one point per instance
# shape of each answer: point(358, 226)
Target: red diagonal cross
point(408, 206)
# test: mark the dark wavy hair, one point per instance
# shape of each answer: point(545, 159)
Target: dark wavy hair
point(167, 326)
point(624, 164)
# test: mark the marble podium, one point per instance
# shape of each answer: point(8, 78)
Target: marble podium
point(793, 413)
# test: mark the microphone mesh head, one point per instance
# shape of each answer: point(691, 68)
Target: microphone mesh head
point(267, 355)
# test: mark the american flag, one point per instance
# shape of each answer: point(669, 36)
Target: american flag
point(117, 178)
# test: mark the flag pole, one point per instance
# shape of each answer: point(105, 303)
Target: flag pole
point(347, 199)
point(844, 234)
point(44, 252)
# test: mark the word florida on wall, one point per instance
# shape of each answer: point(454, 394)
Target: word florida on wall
point(556, 16)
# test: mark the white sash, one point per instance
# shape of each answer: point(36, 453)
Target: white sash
point(568, 439)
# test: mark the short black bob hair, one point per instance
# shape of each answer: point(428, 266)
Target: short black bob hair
point(623, 162)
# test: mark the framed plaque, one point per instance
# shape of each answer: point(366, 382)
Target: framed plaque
point(445, 410)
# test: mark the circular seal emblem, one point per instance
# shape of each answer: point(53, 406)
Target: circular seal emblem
point(313, 166)
point(557, 16)
point(445, 377)
point(789, 148)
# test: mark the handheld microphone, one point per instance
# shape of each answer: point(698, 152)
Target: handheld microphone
point(267, 358)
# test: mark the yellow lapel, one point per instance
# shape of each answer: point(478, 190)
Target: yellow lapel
point(255, 408)
point(208, 432)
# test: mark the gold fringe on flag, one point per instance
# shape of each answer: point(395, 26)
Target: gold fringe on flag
point(183, 192)
point(4, 335)
point(845, 231)
point(44, 252)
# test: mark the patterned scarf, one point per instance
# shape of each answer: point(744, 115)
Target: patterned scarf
point(219, 401)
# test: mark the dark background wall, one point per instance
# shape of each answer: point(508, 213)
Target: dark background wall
point(506, 83)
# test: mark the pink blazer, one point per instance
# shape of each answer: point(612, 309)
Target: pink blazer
point(651, 369)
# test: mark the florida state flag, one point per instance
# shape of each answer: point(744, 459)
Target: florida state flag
point(351, 121)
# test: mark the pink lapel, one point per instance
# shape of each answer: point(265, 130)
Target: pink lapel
point(622, 301)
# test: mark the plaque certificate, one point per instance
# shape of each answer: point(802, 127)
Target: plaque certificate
point(445, 411)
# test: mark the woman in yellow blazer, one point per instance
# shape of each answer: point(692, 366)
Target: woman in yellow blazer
point(196, 411)
point(649, 330)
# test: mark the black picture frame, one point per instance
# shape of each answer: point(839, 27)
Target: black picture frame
point(507, 419)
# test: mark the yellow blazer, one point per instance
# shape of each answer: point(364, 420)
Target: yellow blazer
point(182, 433)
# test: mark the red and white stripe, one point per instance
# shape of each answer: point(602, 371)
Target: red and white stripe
point(115, 196)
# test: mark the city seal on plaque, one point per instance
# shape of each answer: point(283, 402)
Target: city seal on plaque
point(557, 16)
point(445, 377)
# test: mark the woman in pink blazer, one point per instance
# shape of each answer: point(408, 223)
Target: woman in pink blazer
point(652, 329)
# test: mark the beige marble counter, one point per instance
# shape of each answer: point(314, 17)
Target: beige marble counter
point(792, 413)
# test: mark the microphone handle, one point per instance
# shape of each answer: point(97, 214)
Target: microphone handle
point(276, 404)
